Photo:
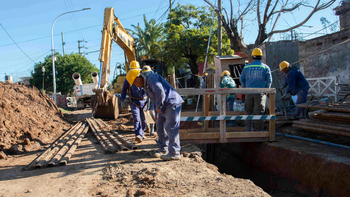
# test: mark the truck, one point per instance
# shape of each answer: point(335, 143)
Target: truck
point(84, 92)
point(105, 104)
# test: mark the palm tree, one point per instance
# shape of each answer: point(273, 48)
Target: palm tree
point(148, 40)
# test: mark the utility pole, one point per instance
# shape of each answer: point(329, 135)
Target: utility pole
point(171, 77)
point(79, 47)
point(63, 43)
point(219, 27)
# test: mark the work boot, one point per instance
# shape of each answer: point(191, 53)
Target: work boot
point(138, 139)
point(159, 154)
point(169, 157)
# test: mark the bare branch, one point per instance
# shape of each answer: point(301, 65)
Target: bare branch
point(258, 12)
point(266, 10)
point(316, 9)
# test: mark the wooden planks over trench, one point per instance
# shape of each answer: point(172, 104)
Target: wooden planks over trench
point(208, 134)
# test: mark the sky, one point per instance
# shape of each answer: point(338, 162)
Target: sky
point(25, 30)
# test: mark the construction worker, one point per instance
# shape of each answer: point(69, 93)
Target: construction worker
point(227, 82)
point(137, 96)
point(255, 75)
point(297, 85)
point(168, 106)
point(150, 105)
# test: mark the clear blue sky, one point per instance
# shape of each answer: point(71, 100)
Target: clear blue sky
point(29, 23)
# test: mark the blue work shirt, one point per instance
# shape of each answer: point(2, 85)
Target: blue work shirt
point(138, 95)
point(256, 75)
point(227, 82)
point(161, 93)
point(295, 81)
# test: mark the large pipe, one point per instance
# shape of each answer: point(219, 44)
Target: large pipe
point(77, 79)
point(94, 76)
point(313, 140)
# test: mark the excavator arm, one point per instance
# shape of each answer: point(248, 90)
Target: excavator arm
point(105, 105)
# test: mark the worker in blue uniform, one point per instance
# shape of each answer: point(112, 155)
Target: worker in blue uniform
point(227, 82)
point(150, 105)
point(137, 96)
point(297, 85)
point(168, 106)
point(255, 75)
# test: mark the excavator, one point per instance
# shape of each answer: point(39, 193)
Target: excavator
point(104, 104)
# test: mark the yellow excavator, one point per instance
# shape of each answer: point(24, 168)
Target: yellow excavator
point(105, 104)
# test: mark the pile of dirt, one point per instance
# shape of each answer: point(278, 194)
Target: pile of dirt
point(187, 177)
point(29, 119)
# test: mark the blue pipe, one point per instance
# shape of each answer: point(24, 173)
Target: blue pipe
point(312, 140)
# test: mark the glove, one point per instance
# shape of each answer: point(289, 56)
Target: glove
point(284, 95)
point(123, 104)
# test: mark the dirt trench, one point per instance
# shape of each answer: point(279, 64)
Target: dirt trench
point(286, 167)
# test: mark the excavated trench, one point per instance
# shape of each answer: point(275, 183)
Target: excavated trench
point(286, 167)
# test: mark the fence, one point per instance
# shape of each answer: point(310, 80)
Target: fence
point(323, 86)
point(223, 134)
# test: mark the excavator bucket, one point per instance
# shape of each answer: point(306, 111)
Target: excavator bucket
point(110, 111)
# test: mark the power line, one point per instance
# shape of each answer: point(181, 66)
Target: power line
point(15, 43)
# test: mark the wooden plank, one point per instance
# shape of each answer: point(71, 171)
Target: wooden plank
point(206, 108)
point(210, 84)
point(197, 91)
point(191, 114)
point(228, 113)
point(322, 126)
point(231, 129)
point(329, 108)
point(272, 99)
point(222, 104)
point(319, 130)
point(229, 140)
point(216, 135)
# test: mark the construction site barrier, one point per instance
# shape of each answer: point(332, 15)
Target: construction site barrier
point(223, 134)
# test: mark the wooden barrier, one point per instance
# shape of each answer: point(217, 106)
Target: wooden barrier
point(223, 134)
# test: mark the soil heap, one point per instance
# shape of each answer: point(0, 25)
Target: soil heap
point(29, 119)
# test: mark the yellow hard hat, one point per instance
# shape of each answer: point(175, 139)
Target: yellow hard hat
point(146, 69)
point(257, 52)
point(134, 64)
point(205, 74)
point(226, 72)
point(284, 65)
point(132, 74)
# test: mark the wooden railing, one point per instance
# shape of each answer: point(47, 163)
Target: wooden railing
point(223, 134)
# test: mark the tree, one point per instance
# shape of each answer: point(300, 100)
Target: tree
point(327, 24)
point(187, 35)
point(272, 11)
point(148, 40)
point(65, 66)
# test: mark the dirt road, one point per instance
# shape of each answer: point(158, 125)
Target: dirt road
point(91, 172)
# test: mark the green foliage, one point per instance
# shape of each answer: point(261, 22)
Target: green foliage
point(149, 40)
point(327, 24)
point(187, 36)
point(65, 66)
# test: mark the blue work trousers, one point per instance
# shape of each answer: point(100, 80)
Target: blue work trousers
point(302, 98)
point(139, 120)
point(168, 123)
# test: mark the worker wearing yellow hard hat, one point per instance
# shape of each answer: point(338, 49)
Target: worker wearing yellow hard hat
point(168, 105)
point(297, 85)
point(138, 101)
point(134, 65)
point(255, 75)
point(227, 82)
